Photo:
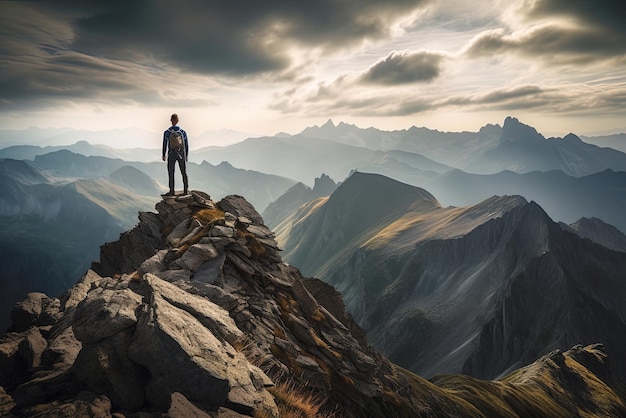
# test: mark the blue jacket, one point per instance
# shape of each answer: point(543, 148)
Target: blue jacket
point(166, 141)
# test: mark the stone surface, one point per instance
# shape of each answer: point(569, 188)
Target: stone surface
point(105, 312)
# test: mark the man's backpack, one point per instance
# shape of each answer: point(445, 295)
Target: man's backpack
point(176, 140)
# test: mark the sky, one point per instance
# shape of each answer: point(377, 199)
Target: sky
point(282, 65)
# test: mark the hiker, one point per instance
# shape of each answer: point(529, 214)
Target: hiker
point(176, 146)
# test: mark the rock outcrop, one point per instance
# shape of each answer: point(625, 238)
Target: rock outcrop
point(193, 313)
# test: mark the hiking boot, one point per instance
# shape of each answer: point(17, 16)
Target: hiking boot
point(168, 194)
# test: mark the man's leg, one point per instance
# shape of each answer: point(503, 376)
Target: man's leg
point(170, 171)
point(183, 171)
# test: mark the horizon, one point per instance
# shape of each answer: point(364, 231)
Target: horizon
point(444, 65)
point(226, 137)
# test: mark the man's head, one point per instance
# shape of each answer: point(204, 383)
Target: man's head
point(174, 118)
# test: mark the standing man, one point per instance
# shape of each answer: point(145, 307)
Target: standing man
point(176, 146)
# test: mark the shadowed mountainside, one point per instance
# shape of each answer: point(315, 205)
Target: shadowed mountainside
point(480, 289)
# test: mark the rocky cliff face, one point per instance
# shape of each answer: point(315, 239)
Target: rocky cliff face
point(193, 313)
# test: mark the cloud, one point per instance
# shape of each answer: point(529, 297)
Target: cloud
point(404, 67)
point(551, 43)
point(559, 32)
point(236, 37)
point(132, 50)
point(606, 14)
point(359, 92)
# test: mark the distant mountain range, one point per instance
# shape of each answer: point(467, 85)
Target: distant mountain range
point(564, 198)
point(119, 138)
point(514, 146)
point(479, 289)
point(616, 141)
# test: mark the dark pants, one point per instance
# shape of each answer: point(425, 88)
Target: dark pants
point(171, 161)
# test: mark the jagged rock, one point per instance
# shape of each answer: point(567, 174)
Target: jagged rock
point(105, 312)
point(180, 407)
point(77, 293)
point(44, 387)
point(133, 247)
point(6, 403)
point(35, 309)
point(179, 232)
point(199, 365)
point(86, 404)
point(105, 368)
point(239, 207)
point(211, 316)
point(210, 272)
point(177, 275)
point(197, 254)
point(32, 347)
point(63, 346)
point(12, 370)
point(222, 231)
point(154, 264)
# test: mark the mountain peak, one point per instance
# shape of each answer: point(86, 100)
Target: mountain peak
point(324, 186)
point(515, 131)
point(329, 124)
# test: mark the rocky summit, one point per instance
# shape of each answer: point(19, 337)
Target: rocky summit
point(194, 313)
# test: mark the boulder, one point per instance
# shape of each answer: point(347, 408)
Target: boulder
point(105, 312)
point(106, 368)
point(154, 264)
point(36, 309)
point(197, 254)
point(181, 355)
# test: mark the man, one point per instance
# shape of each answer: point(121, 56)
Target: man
point(177, 149)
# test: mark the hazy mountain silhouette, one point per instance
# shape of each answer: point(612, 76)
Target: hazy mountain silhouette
point(600, 232)
point(223, 178)
point(134, 137)
point(515, 147)
point(450, 148)
point(302, 158)
point(522, 149)
point(135, 180)
point(20, 171)
point(477, 289)
point(296, 196)
point(65, 163)
point(563, 197)
point(616, 141)
point(30, 152)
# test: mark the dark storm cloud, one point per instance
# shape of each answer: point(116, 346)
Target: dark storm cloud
point(550, 43)
point(108, 49)
point(234, 37)
point(404, 67)
point(562, 32)
point(608, 14)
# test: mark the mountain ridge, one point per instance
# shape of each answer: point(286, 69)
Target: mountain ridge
point(413, 275)
point(207, 291)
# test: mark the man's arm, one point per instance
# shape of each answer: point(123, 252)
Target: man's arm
point(186, 146)
point(165, 138)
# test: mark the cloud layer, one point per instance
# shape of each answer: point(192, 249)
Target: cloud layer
point(326, 58)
